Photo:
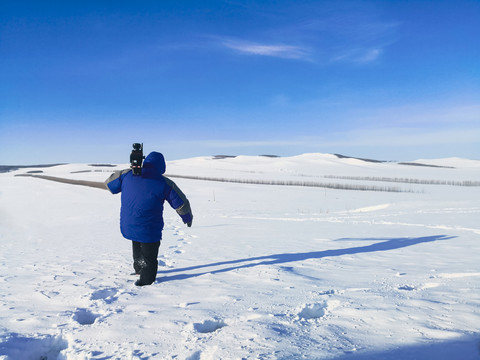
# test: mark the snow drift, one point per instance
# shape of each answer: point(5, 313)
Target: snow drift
point(265, 272)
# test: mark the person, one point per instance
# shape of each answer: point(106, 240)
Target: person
point(141, 212)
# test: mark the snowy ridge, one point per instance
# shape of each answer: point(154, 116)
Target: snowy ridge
point(265, 272)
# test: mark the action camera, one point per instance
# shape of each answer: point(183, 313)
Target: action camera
point(136, 159)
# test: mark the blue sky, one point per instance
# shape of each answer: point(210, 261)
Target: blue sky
point(394, 80)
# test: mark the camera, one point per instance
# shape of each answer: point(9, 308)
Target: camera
point(136, 159)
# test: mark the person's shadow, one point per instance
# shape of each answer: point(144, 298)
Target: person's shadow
point(225, 266)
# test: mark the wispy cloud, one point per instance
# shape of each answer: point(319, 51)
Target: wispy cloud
point(358, 55)
point(264, 49)
point(324, 45)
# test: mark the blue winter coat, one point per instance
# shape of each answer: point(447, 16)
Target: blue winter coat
point(141, 213)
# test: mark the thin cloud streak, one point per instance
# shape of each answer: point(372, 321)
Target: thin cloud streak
point(359, 56)
point(273, 50)
point(354, 50)
point(322, 35)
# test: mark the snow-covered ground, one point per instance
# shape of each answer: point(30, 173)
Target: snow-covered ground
point(265, 272)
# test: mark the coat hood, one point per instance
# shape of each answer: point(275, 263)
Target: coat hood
point(154, 165)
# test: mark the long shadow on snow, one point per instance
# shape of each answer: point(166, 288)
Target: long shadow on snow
point(387, 244)
point(466, 347)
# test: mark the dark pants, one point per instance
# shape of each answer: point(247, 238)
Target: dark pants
point(145, 261)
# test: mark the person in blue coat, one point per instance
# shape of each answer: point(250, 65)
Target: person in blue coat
point(141, 213)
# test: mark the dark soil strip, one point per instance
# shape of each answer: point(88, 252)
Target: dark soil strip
point(94, 184)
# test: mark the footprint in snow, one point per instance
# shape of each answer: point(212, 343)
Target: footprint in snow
point(327, 292)
point(85, 316)
point(195, 356)
point(406, 287)
point(162, 263)
point(107, 295)
point(17, 346)
point(209, 326)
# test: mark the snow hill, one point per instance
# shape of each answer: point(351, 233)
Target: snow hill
point(308, 257)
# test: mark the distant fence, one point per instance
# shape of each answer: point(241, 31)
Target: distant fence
point(407, 180)
point(335, 186)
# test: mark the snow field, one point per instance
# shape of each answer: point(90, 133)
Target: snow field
point(266, 272)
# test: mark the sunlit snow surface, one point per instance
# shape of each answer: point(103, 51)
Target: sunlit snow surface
point(265, 272)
